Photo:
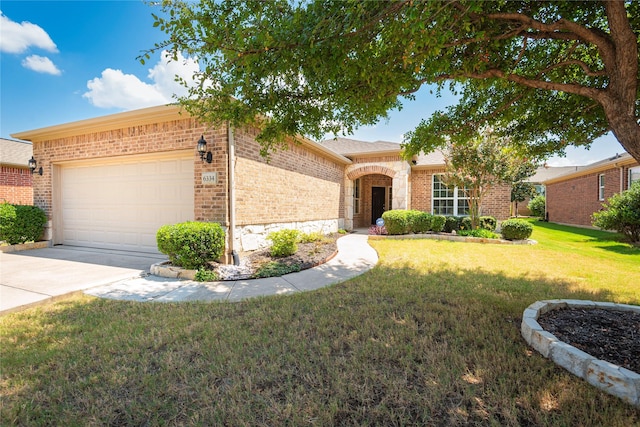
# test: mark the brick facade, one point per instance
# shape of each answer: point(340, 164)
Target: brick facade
point(574, 201)
point(496, 203)
point(293, 185)
point(174, 135)
point(574, 197)
point(15, 185)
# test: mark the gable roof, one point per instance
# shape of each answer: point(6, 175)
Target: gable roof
point(143, 116)
point(616, 161)
point(353, 147)
point(15, 153)
point(544, 173)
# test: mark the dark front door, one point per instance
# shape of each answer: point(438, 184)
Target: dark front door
point(377, 203)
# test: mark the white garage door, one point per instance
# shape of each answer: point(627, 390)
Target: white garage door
point(120, 204)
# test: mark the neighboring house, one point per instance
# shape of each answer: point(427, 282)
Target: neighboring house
point(543, 173)
point(111, 182)
point(573, 197)
point(15, 175)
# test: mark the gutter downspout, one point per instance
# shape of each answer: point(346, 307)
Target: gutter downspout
point(232, 254)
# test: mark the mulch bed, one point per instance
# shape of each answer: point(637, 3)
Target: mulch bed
point(610, 335)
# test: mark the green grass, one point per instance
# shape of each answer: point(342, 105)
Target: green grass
point(430, 336)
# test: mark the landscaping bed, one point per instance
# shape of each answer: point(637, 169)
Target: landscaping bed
point(610, 335)
point(260, 263)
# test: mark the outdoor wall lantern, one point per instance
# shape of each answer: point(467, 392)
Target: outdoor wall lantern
point(33, 164)
point(202, 149)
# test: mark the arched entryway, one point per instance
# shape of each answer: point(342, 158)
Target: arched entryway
point(373, 189)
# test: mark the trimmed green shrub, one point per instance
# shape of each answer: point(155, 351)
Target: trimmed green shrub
point(284, 242)
point(191, 244)
point(516, 229)
point(452, 223)
point(437, 223)
point(537, 206)
point(21, 223)
point(488, 223)
point(421, 221)
point(479, 232)
point(396, 221)
point(622, 213)
point(315, 236)
point(465, 223)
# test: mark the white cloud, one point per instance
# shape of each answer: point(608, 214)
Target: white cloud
point(19, 37)
point(41, 64)
point(115, 89)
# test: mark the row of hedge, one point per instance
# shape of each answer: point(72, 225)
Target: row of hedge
point(21, 223)
point(401, 221)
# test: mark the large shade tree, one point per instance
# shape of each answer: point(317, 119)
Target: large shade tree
point(546, 73)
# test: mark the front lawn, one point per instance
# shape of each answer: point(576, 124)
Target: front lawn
point(430, 336)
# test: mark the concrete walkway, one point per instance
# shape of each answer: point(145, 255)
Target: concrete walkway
point(354, 257)
point(42, 275)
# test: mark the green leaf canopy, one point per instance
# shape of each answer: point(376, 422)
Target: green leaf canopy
point(547, 74)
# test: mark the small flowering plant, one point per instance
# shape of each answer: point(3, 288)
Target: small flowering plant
point(376, 230)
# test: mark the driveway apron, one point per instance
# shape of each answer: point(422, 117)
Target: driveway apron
point(32, 276)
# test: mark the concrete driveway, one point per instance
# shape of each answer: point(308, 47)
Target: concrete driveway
point(33, 276)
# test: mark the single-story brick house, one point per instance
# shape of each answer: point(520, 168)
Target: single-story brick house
point(111, 182)
point(573, 197)
point(543, 173)
point(15, 175)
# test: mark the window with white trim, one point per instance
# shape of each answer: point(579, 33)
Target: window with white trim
point(447, 200)
point(634, 175)
point(357, 184)
point(601, 187)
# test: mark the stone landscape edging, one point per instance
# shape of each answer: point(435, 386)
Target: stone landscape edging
point(25, 246)
point(606, 376)
point(454, 238)
point(170, 271)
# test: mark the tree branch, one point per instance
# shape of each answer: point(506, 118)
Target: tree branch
point(595, 94)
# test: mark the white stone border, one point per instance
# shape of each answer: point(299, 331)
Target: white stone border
point(608, 377)
point(452, 238)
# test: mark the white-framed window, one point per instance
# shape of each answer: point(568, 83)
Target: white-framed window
point(634, 175)
point(447, 200)
point(601, 187)
point(357, 189)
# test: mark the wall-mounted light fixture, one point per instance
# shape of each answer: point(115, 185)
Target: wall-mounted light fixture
point(33, 164)
point(202, 149)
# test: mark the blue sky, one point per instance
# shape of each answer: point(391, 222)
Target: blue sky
point(63, 61)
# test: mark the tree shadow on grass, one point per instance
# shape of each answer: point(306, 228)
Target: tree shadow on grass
point(390, 347)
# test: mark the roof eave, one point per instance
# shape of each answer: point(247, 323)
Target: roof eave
point(615, 163)
point(104, 123)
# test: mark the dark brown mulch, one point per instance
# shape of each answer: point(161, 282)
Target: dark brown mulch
point(610, 335)
point(307, 256)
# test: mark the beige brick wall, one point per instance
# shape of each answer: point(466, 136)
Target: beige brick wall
point(15, 185)
point(173, 135)
point(293, 185)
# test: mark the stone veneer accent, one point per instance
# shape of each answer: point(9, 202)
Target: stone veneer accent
point(253, 237)
point(608, 377)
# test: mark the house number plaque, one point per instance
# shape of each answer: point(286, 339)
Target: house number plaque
point(209, 178)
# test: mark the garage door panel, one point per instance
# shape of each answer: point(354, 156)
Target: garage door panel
point(121, 206)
